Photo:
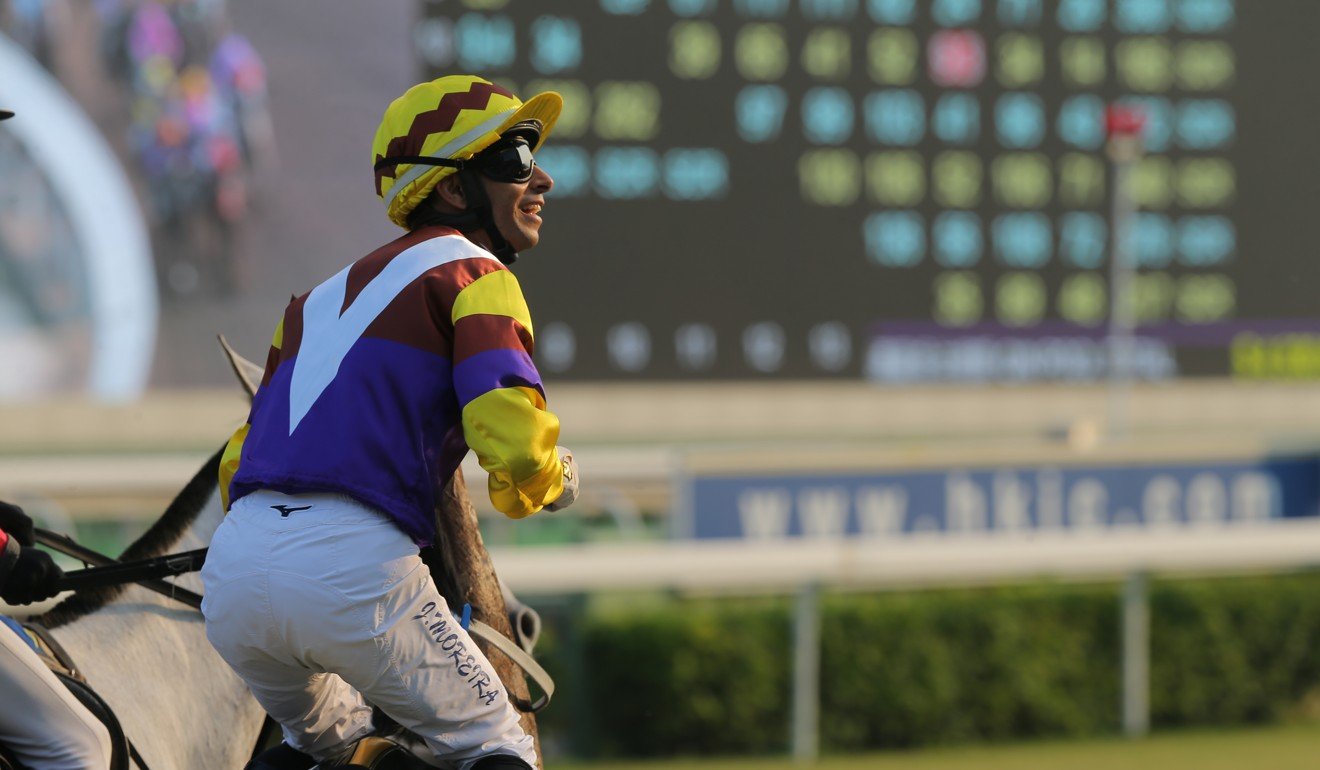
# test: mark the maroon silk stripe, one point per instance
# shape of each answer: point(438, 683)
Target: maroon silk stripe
point(478, 333)
point(409, 320)
point(458, 274)
point(366, 269)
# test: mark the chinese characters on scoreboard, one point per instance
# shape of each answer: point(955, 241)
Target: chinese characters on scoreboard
point(966, 135)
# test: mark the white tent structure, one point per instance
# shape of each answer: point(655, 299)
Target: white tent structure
point(110, 267)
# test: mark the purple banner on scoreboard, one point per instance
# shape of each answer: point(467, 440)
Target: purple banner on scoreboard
point(966, 501)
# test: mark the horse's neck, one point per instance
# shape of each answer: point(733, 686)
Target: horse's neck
point(148, 657)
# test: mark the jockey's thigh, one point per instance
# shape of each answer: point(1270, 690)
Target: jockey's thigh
point(318, 712)
point(339, 589)
point(40, 721)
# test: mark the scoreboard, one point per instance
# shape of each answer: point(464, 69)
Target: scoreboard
point(909, 190)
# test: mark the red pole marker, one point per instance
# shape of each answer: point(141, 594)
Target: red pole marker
point(1124, 121)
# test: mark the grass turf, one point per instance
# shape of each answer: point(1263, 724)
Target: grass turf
point(1273, 748)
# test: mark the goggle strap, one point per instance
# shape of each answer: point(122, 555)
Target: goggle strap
point(421, 160)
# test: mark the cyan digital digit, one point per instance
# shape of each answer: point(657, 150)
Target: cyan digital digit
point(1205, 124)
point(1143, 17)
point(1022, 239)
point(957, 238)
point(1081, 15)
point(1205, 15)
point(1019, 13)
point(761, 9)
point(624, 7)
point(957, 118)
point(1019, 120)
point(556, 44)
point(1151, 240)
point(955, 13)
point(484, 42)
point(827, 115)
point(1204, 241)
point(691, 7)
point(626, 172)
point(1082, 239)
point(892, 12)
point(760, 112)
point(895, 117)
point(693, 174)
point(1082, 121)
point(836, 10)
point(895, 238)
point(569, 166)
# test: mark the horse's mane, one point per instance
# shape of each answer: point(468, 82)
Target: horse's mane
point(154, 542)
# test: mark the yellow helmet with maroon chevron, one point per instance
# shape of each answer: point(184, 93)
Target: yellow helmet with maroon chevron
point(452, 117)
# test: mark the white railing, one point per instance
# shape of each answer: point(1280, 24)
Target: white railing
point(804, 567)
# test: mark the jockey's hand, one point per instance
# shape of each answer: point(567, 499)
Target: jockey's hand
point(17, 523)
point(33, 578)
point(571, 481)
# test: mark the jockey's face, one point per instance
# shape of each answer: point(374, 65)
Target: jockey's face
point(517, 207)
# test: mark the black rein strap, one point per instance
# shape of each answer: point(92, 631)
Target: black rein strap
point(107, 571)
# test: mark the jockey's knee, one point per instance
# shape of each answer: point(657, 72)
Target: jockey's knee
point(81, 740)
point(101, 744)
point(501, 762)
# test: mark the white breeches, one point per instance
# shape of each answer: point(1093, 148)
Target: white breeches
point(40, 720)
point(329, 608)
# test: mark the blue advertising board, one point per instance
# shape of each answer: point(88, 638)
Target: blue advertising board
point(969, 501)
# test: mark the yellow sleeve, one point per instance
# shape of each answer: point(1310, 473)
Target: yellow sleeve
point(234, 449)
point(229, 462)
point(514, 437)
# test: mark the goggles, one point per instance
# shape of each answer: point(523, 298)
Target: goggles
point(505, 161)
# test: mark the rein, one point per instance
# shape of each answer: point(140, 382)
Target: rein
point(107, 571)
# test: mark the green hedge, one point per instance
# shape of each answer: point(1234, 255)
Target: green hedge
point(714, 676)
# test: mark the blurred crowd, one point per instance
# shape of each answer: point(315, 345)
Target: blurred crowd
point(192, 94)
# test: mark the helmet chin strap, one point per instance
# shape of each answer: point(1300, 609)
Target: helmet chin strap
point(483, 215)
point(478, 216)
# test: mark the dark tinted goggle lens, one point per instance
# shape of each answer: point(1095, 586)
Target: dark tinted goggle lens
point(509, 164)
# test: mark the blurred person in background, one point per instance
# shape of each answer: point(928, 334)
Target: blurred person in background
point(42, 724)
point(377, 383)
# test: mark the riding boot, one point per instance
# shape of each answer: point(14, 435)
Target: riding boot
point(282, 757)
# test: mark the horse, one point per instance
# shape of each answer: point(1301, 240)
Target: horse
point(148, 656)
point(202, 715)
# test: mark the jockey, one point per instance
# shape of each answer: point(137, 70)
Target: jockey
point(377, 383)
point(41, 723)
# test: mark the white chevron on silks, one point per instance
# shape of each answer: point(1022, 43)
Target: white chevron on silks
point(328, 336)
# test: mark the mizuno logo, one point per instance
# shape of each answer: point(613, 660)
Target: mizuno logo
point(285, 510)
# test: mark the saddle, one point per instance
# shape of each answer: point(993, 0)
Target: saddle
point(61, 665)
